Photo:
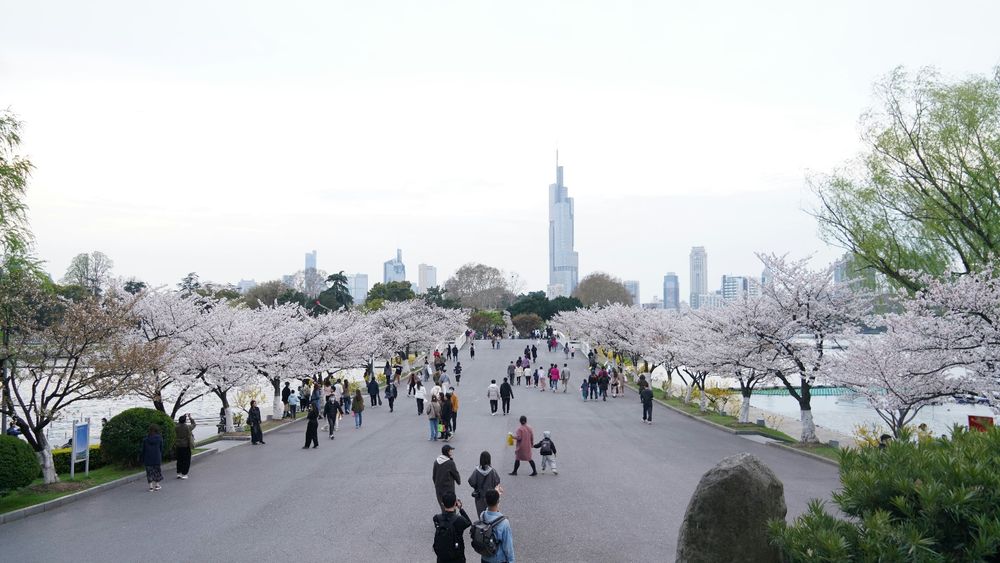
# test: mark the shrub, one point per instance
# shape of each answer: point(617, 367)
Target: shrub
point(60, 458)
point(18, 464)
point(931, 500)
point(121, 437)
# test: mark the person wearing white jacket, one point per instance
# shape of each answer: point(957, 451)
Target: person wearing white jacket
point(419, 394)
point(493, 394)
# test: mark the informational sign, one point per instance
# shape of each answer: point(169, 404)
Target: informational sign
point(980, 423)
point(80, 449)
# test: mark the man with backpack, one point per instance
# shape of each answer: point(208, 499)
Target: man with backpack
point(448, 529)
point(491, 534)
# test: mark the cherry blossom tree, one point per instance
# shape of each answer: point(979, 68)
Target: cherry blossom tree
point(64, 353)
point(413, 325)
point(807, 313)
point(899, 372)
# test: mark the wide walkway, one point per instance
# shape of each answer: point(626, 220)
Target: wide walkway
point(620, 494)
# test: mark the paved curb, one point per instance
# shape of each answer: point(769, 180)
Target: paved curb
point(56, 503)
point(738, 431)
point(247, 437)
point(817, 457)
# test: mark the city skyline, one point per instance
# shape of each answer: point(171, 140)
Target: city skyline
point(637, 124)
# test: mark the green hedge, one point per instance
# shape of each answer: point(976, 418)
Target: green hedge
point(932, 500)
point(121, 437)
point(18, 464)
point(60, 458)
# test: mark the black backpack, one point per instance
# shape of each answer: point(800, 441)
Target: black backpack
point(446, 542)
point(484, 541)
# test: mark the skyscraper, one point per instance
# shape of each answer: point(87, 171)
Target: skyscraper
point(671, 292)
point(311, 260)
point(357, 285)
point(394, 270)
point(632, 286)
point(564, 262)
point(426, 277)
point(699, 275)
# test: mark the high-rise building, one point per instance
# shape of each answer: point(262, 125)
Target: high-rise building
point(310, 260)
point(733, 287)
point(632, 286)
point(564, 262)
point(671, 292)
point(709, 300)
point(699, 275)
point(357, 285)
point(246, 285)
point(394, 270)
point(426, 277)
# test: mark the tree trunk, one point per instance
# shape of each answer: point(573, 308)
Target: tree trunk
point(703, 401)
point(45, 459)
point(745, 410)
point(224, 397)
point(278, 407)
point(687, 394)
point(808, 427)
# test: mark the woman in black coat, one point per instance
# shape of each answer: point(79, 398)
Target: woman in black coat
point(312, 427)
point(152, 457)
point(483, 478)
point(253, 419)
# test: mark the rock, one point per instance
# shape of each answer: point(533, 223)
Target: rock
point(727, 517)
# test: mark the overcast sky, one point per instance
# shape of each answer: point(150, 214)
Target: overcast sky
point(229, 138)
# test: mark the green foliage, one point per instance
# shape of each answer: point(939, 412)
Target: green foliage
point(18, 464)
point(189, 283)
point(536, 302)
point(482, 321)
point(527, 322)
point(134, 286)
point(61, 459)
point(437, 296)
point(15, 236)
point(121, 438)
point(392, 291)
point(931, 500)
point(922, 197)
point(337, 296)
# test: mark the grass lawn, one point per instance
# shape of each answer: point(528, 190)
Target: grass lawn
point(38, 492)
point(823, 450)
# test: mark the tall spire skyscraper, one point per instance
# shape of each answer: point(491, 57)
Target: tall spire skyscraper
point(564, 262)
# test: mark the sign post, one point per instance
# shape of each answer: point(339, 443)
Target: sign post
point(80, 448)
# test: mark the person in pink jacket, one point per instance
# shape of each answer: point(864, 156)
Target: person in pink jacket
point(524, 438)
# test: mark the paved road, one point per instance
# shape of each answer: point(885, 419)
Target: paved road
point(367, 496)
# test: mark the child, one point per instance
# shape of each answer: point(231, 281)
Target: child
point(548, 450)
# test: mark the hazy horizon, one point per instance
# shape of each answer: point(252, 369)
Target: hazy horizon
point(231, 138)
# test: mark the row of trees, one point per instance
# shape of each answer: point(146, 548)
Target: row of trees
point(173, 347)
point(805, 328)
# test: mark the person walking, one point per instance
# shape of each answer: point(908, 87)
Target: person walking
point(373, 391)
point(449, 526)
point(511, 370)
point(458, 372)
point(285, 394)
point(646, 396)
point(501, 531)
point(412, 383)
point(391, 391)
point(316, 396)
point(484, 478)
point(444, 419)
point(454, 410)
point(472, 350)
point(602, 383)
point(493, 395)
point(554, 378)
point(547, 449)
point(312, 427)
point(534, 353)
point(420, 394)
point(253, 419)
point(152, 457)
point(506, 394)
point(593, 385)
point(330, 409)
point(524, 438)
point(445, 474)
point(433, 413)
point(183, 442)
point(357, 407)
point(564, 376)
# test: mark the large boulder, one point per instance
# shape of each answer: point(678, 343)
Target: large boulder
point(727, 517)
